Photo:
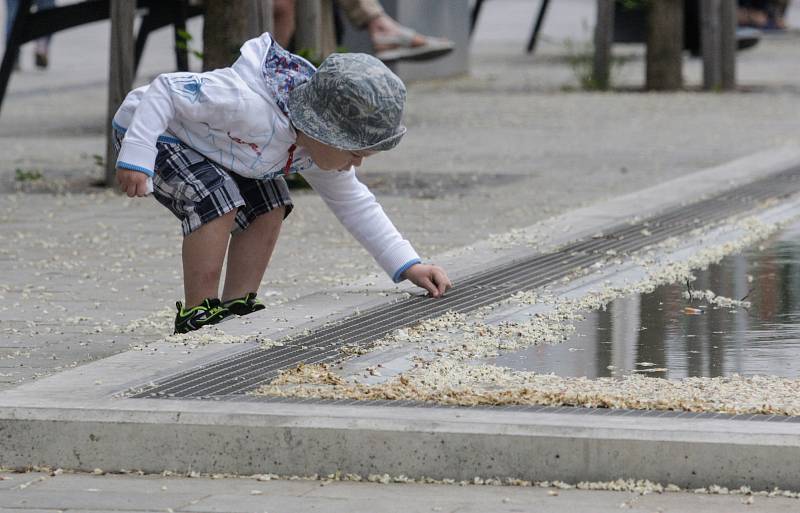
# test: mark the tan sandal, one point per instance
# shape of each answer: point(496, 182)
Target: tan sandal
point(406, 44)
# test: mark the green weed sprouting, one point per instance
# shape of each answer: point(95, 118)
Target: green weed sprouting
point(580, 57)
point(27, 175)
point(183, 41)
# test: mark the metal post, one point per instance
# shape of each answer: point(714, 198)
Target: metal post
point(710, 42)
point(603, 39)
point(120, 77)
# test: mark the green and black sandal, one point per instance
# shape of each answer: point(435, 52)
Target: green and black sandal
point(210, 311)
point(244, 305)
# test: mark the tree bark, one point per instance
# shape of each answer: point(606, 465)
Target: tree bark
point(120, 79)
point(728, 44)
point(315, 30)
point(603, 38)
point(710, 43)
point(227, 24)
point(665, 45)
point(262, 19)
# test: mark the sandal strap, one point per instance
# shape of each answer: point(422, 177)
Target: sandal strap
point(403, 37)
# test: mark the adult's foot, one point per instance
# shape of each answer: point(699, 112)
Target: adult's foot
point(393, 42)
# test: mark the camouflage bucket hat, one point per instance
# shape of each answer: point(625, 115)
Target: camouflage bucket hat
point(353, 102)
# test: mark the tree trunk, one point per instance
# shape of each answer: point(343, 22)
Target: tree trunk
point(603, 39)
point(315, 29)
point(728, 44)
point(227, 24)
point(665, 45)
point(710, 42)
point(122, 15)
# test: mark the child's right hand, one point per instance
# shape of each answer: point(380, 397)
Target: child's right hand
point(133, 183)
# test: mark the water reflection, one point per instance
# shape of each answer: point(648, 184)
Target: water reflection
point(651, 333)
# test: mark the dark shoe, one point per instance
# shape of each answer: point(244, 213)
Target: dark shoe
point(41, 60)
point(747, 37)
point(210, 311)
point(244, 305)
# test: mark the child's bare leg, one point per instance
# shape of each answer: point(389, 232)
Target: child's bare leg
point(249, 254)
point(203, 254)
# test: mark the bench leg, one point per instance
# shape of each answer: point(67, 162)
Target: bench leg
point(538, 26)
point(14, 42)
point(179, 25)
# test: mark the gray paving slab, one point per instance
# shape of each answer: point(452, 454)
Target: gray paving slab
point(91, 498)
point(102, 510)
point(289, 496)
point(234, 504)
point(169, 485)
point(10, 481)
point(15, 510)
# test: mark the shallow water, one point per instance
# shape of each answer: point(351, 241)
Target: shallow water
point(652, 333)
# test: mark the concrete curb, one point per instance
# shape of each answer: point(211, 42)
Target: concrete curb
point(297, 439)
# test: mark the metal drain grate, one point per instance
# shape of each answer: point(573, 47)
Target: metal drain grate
point(249, 369)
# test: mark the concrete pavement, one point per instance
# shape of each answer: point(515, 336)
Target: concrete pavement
point(133, 493)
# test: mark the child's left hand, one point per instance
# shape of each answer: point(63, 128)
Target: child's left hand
point(430, 277)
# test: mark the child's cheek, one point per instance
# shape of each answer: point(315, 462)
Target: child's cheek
point(324, 164)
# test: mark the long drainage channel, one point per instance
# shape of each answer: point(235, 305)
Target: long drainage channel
point(234, 376)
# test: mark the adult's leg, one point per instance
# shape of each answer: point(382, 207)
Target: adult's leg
point(361, 12)
point(203, 255)
point(391, 40)
point(11, 12)
point(249, 252)
point(284, 20)
point(43, 43)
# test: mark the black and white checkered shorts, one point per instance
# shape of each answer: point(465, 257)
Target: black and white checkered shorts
point(198, 190)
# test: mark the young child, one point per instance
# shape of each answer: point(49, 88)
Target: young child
point(213, 148)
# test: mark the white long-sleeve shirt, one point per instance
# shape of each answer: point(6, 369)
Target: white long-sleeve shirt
point(237, 118)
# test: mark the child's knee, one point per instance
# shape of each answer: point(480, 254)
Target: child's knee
point(271, 220)
point(226, 218)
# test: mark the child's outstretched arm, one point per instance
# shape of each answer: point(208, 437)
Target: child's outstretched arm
point(358, 210)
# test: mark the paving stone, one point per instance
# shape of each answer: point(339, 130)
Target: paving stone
point(89, 499)
point(164, 486)
point(15, 510)
point(429, 492)
point(284, 504)
point(13, 480)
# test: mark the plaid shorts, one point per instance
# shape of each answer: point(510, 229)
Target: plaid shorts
point(198, 190)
